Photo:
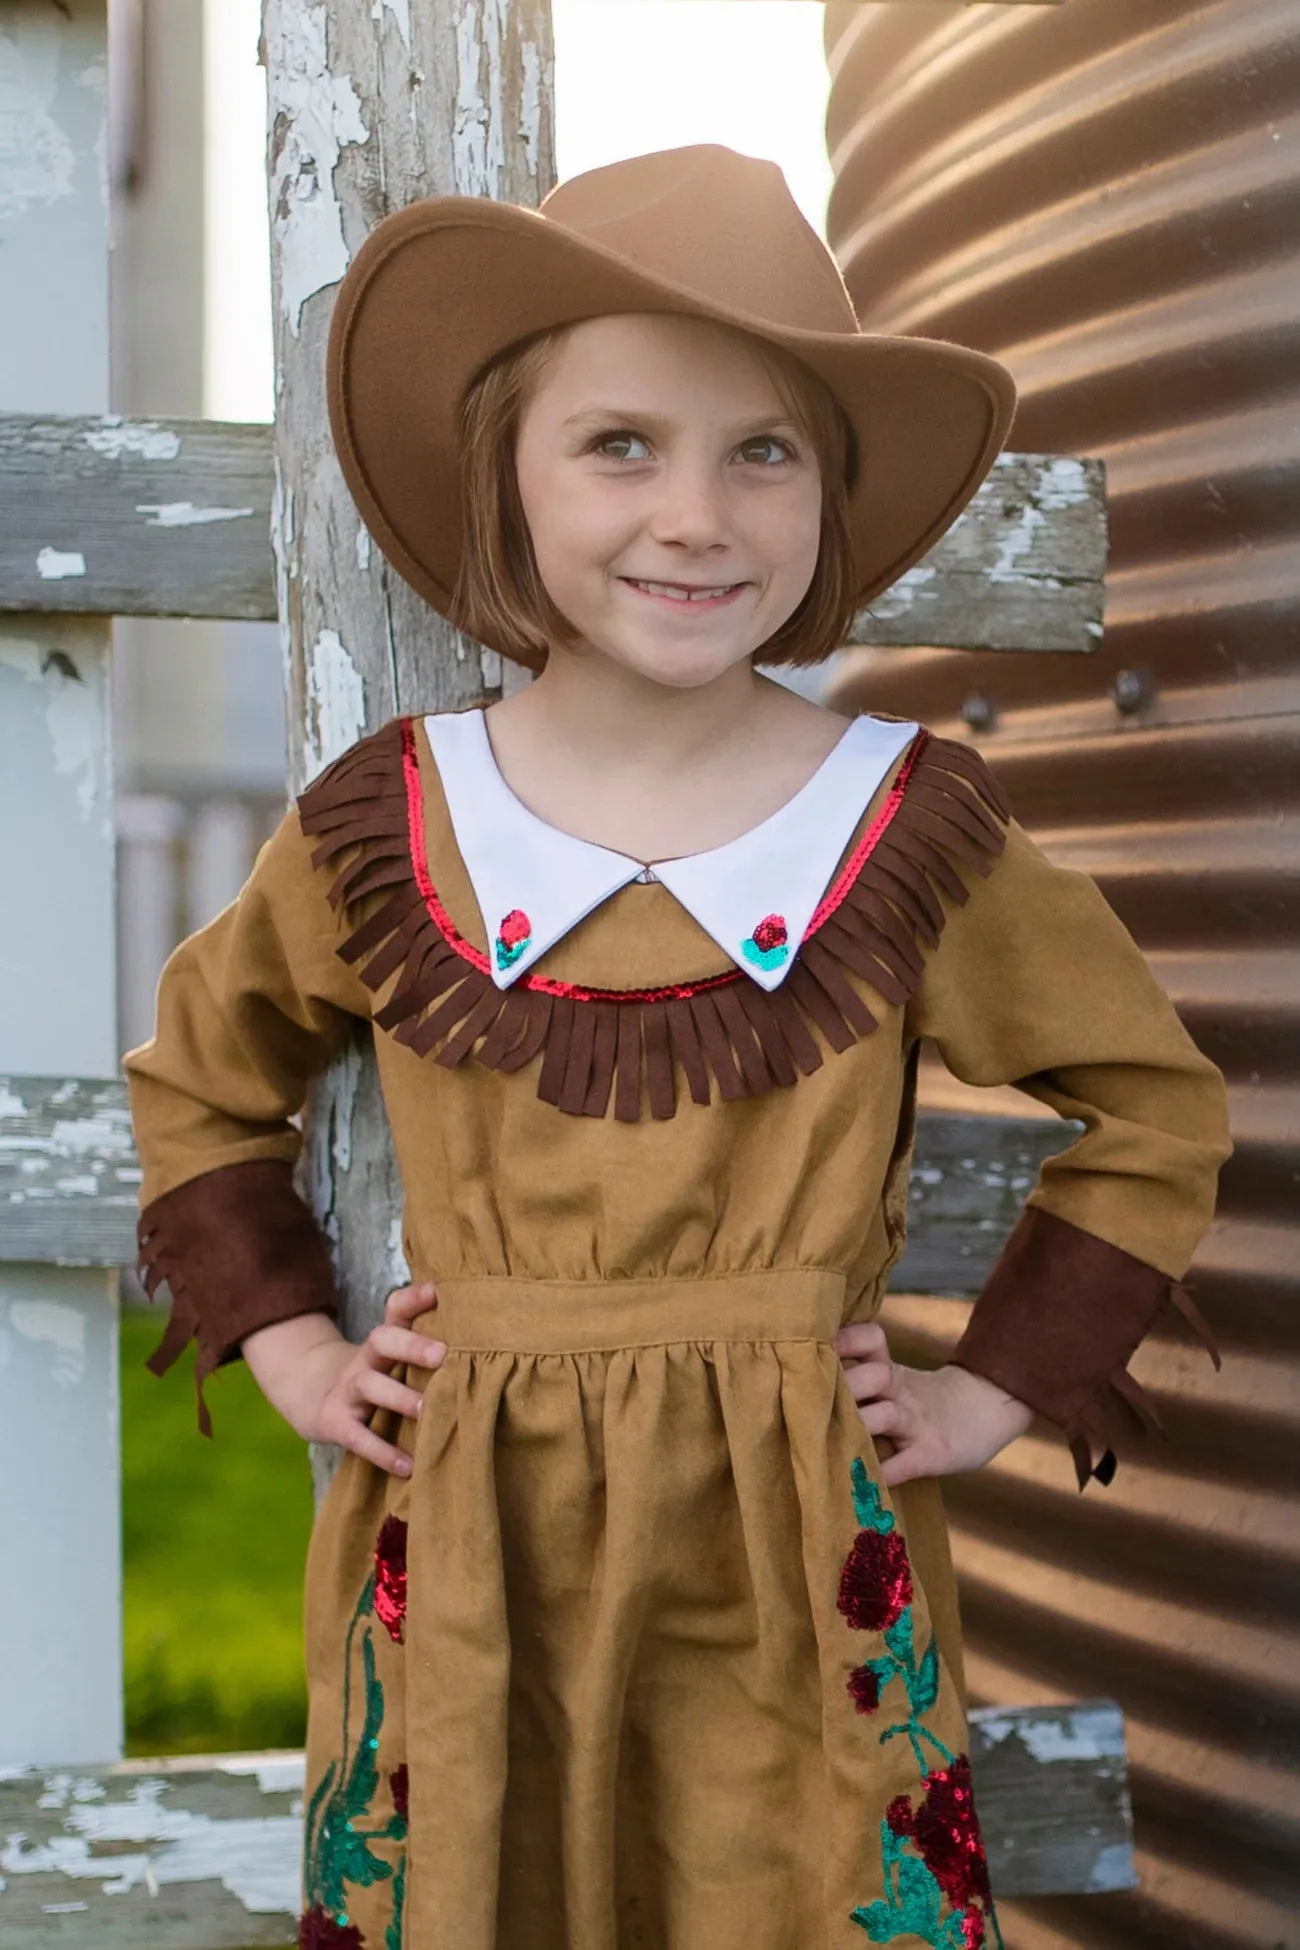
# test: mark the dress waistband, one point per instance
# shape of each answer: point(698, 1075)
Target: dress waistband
point(585, 1316)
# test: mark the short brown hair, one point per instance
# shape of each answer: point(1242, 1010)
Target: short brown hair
point(501, 597)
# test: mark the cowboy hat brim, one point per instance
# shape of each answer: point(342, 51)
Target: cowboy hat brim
point(444, 285)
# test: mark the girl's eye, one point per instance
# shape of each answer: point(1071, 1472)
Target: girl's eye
point(766, 450)
point(622, 444)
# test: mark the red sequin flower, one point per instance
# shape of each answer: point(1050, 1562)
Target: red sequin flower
point(399, 1782)
point(771, 933)
point(946, 1832)
point(390, 1576)
point(864, 1689)
point(515, 928)
point(876, 1582)
point(317, 1930)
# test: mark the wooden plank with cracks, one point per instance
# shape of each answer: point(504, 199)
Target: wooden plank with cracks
point(172, 518)
point(69, 1181)
point(204, 1854)
point(69, 1175)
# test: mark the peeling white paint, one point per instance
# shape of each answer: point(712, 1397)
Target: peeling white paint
point(256, 1859)
point(37, 160)
point(74, 715)
point(313, 115)
point(184, 514)
point(1113, 1869)
point(530, 106)
point(363, 546)
point(399, 1269)
point(276, 1773)
point(489, 662)
point(1075, 1733)
point(904, 595)
point(145, 439)
point(336, 703)
point(55, 564)
point(477, 137)
point(10, 1106)
point(95, 1137)
point(401, 12)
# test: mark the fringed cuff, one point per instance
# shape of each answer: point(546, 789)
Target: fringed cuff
point(238, 1250)
point(1056, 1324)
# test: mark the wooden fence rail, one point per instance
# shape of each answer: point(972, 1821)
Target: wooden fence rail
point(204, 1854)
point(119, 517)
point(69, 1182)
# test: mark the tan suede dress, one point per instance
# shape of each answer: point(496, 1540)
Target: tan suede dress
point(642, 1654)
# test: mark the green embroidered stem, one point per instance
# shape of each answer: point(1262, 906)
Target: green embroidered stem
point(338, 1847)
point(393, 1934)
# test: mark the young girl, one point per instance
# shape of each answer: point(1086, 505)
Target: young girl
point(623, 1633)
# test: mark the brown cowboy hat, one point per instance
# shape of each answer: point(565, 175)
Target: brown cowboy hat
point(441, 287)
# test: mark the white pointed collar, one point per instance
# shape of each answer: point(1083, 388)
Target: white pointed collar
point(754, 896)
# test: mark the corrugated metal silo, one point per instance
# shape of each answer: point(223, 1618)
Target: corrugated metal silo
point(1104, 195)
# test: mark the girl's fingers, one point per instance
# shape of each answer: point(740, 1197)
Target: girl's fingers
point(882, 1417)
point(372, 1448)
point(405, 1302)
point(863, 1341)
point(385, 1344)
point(381, 1391)
point(867, 1379)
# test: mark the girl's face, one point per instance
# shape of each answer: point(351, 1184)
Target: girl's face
point(674, 504)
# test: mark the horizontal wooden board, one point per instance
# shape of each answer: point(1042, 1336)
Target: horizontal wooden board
point(69, 1176)
point(203, 1854)
point(172, 518)
point(69, 1182)
point(970, 1177)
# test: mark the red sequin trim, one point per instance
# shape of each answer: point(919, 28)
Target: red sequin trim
point(671, 992)
point(866, 846)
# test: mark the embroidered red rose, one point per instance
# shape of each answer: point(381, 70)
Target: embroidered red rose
point(515, 928)
point(771, 933)
point(945, 1830)
point(876, 1582)
point(318, 1930)
point(390, 1576)
point(399, 1782)
point(864, 1688)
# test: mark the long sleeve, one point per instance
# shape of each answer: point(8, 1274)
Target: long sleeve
point(1038, 984)
point(249, 1010)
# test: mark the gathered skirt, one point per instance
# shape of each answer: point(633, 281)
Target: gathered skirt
point(641, 1656)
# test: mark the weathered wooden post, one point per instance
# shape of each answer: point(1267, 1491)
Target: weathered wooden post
point(369, 107)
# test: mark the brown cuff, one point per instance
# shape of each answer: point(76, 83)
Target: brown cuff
point(238, 1250)
point(1056, 1325)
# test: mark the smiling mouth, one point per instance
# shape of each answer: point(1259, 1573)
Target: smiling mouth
point(683, 592)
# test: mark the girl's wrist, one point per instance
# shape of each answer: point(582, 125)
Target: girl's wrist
point(286, 1358)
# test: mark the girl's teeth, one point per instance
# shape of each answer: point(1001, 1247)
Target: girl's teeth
point(682, 595)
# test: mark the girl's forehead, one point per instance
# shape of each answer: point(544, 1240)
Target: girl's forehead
point(659, 349)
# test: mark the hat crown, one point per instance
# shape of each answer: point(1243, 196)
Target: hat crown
point(721, 225)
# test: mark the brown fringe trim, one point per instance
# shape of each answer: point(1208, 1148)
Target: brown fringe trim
point(946, 811)
point(1121, 1408)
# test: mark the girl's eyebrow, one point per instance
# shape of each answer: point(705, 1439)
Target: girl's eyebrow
point(626, 416)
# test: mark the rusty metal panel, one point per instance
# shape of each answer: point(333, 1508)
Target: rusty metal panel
point(1105, 196)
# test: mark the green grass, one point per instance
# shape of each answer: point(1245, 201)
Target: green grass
point(214, 1535)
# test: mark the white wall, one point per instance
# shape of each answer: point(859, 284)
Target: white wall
point(60, 1608)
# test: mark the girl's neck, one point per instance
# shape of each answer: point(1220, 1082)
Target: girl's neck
point(650, 771)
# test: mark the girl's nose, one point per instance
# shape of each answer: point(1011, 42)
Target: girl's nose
point(691, 511)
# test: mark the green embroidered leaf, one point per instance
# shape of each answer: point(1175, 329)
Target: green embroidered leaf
point(899, 1638)
point(920, 1898)
point(923, 1690)
point(878, 1920)
point(867, 1504)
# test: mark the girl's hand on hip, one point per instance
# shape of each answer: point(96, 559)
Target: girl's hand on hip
point(937, 1422)
point(327, 1388)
